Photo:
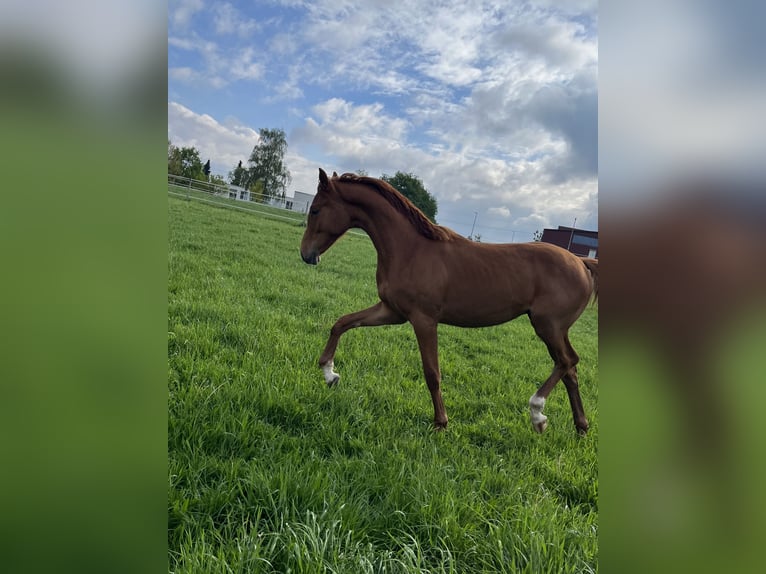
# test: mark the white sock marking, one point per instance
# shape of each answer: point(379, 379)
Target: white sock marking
point(329, 374)
point(536, 405)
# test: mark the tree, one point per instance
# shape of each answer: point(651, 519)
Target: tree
point(267, 163)
point(185, 162)
point(238, 176)
point(412, 188)
point(217, 180)
point(538, 235)
point(191, 164)
point(174, 159)
point(256, 192)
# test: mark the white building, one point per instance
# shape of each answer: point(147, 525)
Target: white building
point(300, 202)
point(240, 193)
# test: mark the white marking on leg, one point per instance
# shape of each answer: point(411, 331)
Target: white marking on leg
point(539, 420)
point(330, 376)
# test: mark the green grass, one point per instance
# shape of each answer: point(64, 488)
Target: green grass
point(179, 191)
point(271, 471)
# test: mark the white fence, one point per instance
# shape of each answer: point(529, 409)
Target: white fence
point(221, 196)
point(236, 193)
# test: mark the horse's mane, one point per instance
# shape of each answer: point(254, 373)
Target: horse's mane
point(422, 224)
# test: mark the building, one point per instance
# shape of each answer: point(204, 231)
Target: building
point(240, 193)
point(578, 241)
point(300, 202)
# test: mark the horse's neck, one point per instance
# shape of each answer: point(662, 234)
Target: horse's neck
point(390, 231)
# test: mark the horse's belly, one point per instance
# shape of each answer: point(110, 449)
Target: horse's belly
point(481, 316)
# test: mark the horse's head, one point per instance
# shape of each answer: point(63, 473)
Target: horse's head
point(328, 219)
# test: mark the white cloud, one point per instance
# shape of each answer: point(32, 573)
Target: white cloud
point(305, 173)
point(286, 91)
point(228, 20)
point(221, 63)
point(363, 134)
point(534, 221)
point(502, 211)
point(214, 67)
point(182, 43)
point(182, 11)
point(452, 43)
point(183, 74)
point(560, 44)
point(243, 67)
point(363, 119)
point(224, 144)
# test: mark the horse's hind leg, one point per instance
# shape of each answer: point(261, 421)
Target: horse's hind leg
point(564, 362)
point(575, 401)
point(537, 401)
point(379, 314)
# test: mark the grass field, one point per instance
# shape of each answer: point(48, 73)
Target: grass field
point(271, 471)
point(178, 191)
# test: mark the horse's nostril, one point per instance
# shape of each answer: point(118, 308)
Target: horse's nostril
point(312, 259)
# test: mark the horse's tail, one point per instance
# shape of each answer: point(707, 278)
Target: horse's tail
point(592, 266)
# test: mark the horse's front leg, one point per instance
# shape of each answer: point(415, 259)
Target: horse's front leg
point(380, 314)
point(427, 335)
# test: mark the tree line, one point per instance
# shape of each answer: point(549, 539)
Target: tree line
point(266, 175)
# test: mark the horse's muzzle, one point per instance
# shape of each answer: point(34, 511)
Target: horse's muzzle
point(311, 259)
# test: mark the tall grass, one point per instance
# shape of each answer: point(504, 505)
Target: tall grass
point(271, 471)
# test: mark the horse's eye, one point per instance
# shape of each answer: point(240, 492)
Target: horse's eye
point(315, 212)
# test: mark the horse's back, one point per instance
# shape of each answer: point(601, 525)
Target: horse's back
point(537, 264)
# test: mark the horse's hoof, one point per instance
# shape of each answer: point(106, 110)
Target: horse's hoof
point(440, 426)
point(537, 418)
point(330, 376)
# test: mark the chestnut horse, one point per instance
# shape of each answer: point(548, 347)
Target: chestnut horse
point(428, 274)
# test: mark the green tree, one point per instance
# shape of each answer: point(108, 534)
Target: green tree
point(185, 162)
point(537, 236)
point(174, 159)
point(216, 179)
point(257, 192)
point(267, 163)
point(412, 188)
point(238, 176)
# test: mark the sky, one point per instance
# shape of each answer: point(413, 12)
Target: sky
point(492, 104)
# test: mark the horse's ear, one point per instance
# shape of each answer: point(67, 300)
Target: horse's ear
point(325, 185)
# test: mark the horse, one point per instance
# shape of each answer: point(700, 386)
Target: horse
point(428, 274)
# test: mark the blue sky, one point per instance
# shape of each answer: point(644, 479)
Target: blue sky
point(493, 105)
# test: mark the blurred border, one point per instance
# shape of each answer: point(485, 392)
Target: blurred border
point(83, 363)
point(683, 303)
